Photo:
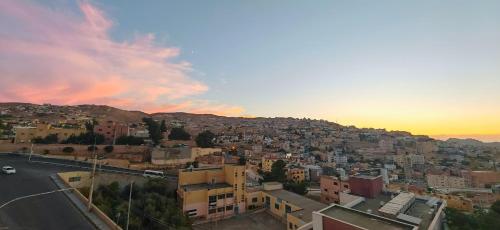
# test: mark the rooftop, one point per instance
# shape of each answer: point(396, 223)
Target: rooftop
point(203, 186)
point(418, 208)
point(307, 205)
point(363, 219)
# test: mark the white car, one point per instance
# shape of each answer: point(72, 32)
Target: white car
point(8, 170)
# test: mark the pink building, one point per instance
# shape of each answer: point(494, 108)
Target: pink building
point(111, 130)
point(331, 187)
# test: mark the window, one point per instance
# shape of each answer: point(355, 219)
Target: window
point(276, 206)
point(191, 212)
point(212, 211)
point(290, 226)
point(229, 208)
point(262, 199)
point(346, 186)
point(326, 190)
point(254, 199)
point(335, 183)
point(336, 193)
point(295, 226)
point(212, 199)
point(221, 196)
point(221, 209)
point(288, 209)
point(229, 195)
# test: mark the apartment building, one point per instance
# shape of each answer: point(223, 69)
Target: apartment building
point(294, 209)
point(26, 134)
point(296, 174)
point(212, 193)
point(331, 187)
point(445, 180)
point(366, 186)
point(111, 130)
point(267, 163)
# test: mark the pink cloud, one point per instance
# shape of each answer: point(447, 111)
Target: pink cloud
point(55, 56)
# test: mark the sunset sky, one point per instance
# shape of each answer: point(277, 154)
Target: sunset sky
point(428, 67)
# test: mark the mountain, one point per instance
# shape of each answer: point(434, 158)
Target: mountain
point(472, 142)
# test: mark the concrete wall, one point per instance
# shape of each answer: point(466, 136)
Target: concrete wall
point(133, 153)
point(101, 215)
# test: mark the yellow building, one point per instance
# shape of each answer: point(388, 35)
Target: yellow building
point(296, 174)
point(26, 134)
point(294, 209)
point(212, 193)
point(267, 163)
point(457, 202)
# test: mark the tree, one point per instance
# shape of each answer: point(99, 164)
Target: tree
point(108, 148)
point(179, 133)
point(163, 126)
point(92, 148)
point(242, 160)
point(278, 171)
point(205, 139)
point(299, 188)
point(496, 207)
point(154, 130)
point(87, 138)
point(68, 149)
point(49, 139)
point(129, 140)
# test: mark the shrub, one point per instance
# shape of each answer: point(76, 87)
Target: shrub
point(68, 149)
point(108, 148)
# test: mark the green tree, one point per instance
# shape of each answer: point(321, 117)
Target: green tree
point(108, 148)
point(154, 130)
point(49, 139)
point(242, 160)
point(179, 133)
point(299, 188)
point(68, 149)
point(87, 138)
point(278, 172)
point(205, 139)
point(163, 126)
point(129, 140)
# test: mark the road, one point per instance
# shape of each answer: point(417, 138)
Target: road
point(52, 211)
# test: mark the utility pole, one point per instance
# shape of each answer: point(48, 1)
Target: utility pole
point(129, 203)
point(92, 175)
point(31, 152)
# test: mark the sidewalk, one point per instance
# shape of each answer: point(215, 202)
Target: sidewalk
point(98, 223)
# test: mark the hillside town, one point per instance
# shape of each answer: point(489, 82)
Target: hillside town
point(305, 173)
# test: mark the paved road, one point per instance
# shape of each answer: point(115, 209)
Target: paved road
point(53, 211)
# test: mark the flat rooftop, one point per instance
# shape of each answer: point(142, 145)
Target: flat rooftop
point(418, 209)
point(203, 186)
point(307, 205)
point(364, 220)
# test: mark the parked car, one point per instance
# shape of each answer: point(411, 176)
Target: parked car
point(8, 170)
point(153, 174)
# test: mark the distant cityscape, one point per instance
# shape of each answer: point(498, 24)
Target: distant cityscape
point(217, 172)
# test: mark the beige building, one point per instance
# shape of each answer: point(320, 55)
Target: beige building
point(445, 181)
point(212, 193)
point(26, 134)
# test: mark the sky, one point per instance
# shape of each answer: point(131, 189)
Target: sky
point(428, 67)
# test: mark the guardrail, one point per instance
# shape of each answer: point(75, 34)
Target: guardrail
point(42, 159)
